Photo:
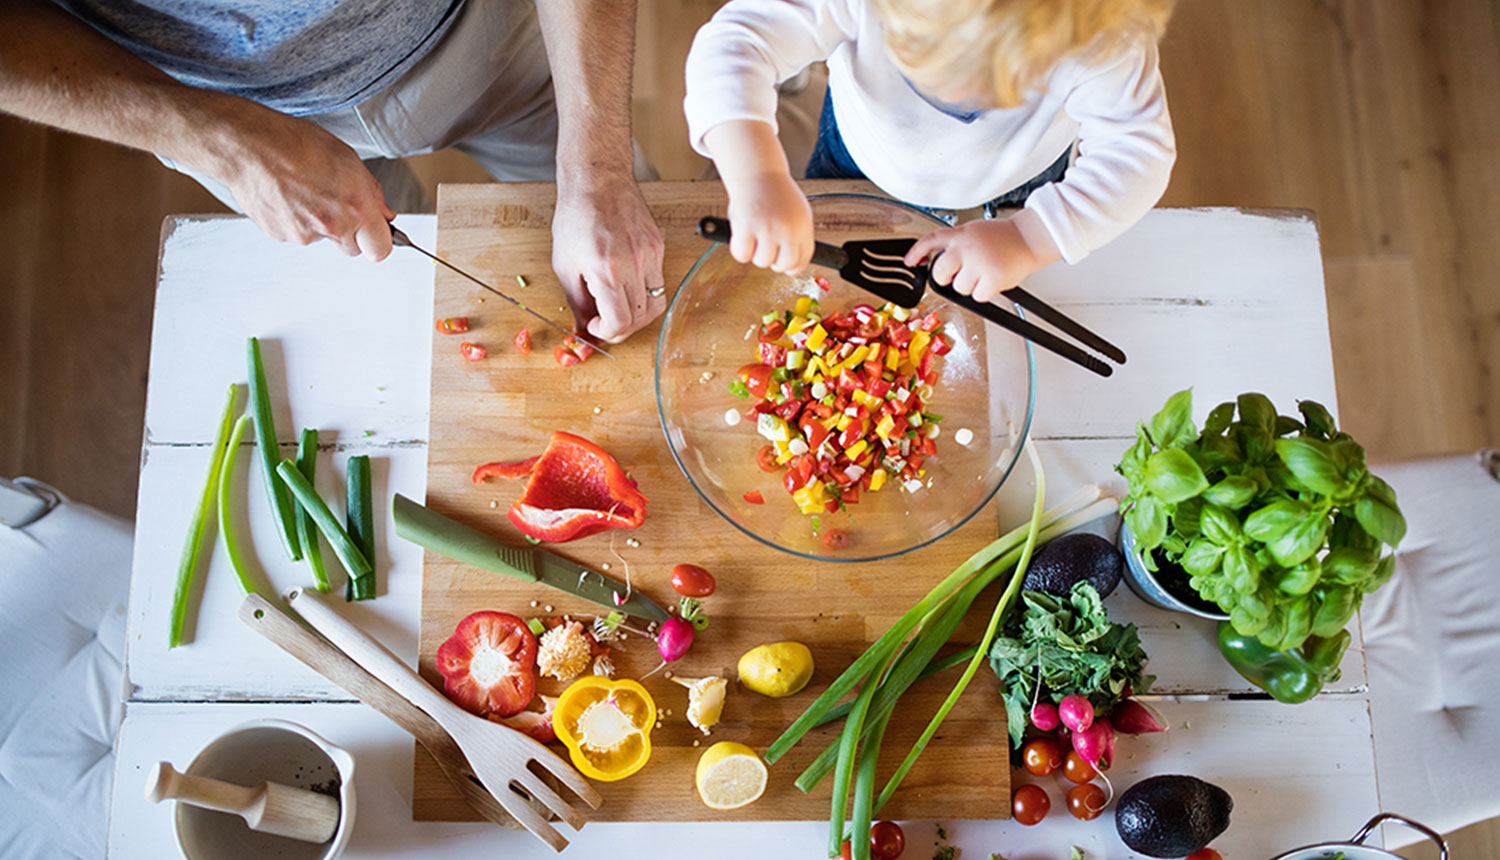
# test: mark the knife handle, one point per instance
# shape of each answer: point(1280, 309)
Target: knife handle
point(826, 255)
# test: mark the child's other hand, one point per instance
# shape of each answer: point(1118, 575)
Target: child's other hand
point(980, 258)
point(770, 223)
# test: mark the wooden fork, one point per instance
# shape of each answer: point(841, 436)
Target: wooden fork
point(500, 756)
point(271, 622)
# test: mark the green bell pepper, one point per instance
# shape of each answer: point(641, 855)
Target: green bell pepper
point(1291, 676)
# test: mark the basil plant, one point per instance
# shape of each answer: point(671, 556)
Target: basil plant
point(1275, 520)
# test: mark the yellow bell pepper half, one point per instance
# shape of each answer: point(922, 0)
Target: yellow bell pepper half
point(606, 726)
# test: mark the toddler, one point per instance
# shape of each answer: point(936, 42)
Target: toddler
point(946, 104)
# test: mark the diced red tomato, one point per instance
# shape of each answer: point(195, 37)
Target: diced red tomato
point(850, 495)
point(772, 355)
point(929, 446)
point(822, 283)
point(523, 341)
point(579, 347)
point(564, 356)
point(453, 325)
point(813, 430)
point(793, 481)
point(789, 409)
point(930, 322)
point(757, 379)
point(898, 334)
point(765, 458)
point(472, 351)
point(755, 498)
point(772, 330)
point(835, 539)
point(942, 344)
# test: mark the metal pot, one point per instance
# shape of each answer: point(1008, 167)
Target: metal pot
point(1145, 585)
point(1355, 849)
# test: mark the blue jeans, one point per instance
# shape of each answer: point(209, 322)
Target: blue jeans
point(831, 160)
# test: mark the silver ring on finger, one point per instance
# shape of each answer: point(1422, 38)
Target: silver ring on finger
point(657, 292)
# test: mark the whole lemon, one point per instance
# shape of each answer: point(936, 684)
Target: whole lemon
point(776, 670)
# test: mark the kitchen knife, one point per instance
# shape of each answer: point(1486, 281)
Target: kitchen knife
point(448, 537)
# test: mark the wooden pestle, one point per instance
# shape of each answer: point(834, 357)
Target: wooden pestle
point(270, 807)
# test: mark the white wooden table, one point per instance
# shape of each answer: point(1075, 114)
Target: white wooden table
point(1222, 300)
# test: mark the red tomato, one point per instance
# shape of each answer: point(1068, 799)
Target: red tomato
point(1076, 769)
point(812, 428)
point(523, 341)
point(497, 640)
point(793, 480)
point(1087, 801)
point(472, 351)
point(765, 458)
point(942, 344)
point(1205, 854)
point(1041, 756)
point(887, 841)
point(772, 330)
point(846, 851)
point(1030, 805)
point(690, 580)
point(564, 356)
point(835, 539)
point(757, 378)
point(822, 283)
point(755, 498)
point(453, 325)
point(772, 355)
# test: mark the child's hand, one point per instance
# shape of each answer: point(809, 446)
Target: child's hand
point(980, 258)
point(770, 220)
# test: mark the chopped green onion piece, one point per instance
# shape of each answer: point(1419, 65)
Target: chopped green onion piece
point(738, 389)
point(536, 626)
point(796, 359)
point(769, 318)
point(817, 524)
point(307, 534)
point(265, 436)
point(359, 512)
point(931, 416)
point(348, 552)
point(187, 564)
point(531, 540)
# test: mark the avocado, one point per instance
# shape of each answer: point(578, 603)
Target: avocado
point(1172, 815)
point(1073, 558)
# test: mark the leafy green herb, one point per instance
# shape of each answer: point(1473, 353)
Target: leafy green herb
point(1274, 519)
point(1067, 645)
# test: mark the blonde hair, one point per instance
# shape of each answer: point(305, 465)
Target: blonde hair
point(1000, 50)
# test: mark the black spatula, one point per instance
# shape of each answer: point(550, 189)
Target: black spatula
point(879, 267)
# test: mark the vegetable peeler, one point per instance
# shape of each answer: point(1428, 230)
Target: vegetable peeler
point(878, 266)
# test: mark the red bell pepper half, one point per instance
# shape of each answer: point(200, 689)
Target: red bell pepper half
point(518, 469)
point(576, 490)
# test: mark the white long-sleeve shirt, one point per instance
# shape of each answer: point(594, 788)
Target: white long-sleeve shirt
point(1114, 105)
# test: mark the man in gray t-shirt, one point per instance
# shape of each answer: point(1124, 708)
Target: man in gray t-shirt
point(274, 107)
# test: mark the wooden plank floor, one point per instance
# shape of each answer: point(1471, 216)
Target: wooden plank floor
point(1379, 115)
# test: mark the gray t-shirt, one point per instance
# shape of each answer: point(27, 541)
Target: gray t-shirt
point(297, 56)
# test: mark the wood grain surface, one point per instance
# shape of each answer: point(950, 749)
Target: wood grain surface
point(506, 407)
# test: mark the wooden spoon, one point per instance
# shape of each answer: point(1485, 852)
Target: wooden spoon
point(270, 807)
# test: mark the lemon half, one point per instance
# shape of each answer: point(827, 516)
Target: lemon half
point(730, 775)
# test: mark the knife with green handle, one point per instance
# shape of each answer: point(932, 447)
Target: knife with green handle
point(448, 537)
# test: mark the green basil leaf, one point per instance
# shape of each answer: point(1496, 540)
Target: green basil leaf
point(1242, 570)
point(1286, 426)
point(1257, 443)
point(1275, 628)
point(1185, 518)
point(1218, 419)
point(1334, 612)
point(1256, 411)
point(1299, 618)
point(1172, 427)
point(1347, 532)
point(1313, 463)
point(1172, 476)
point(1233, 492)
point(1220, 526)
point(1319, 422)
point(1348, 565)
point(1202, 557)
point(1173, 545)
point(1382, 574)
point(1301, 542)
point(1220, 451)
point(1299, 580)
point(1276, 519)
point(1148, 522)
point(1244, 622)
point(1378, 516)
point(1349, 457)
point(1133, 463)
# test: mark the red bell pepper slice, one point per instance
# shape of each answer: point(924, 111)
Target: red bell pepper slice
point(576, 490)
point(517, 469)
point(754, 497)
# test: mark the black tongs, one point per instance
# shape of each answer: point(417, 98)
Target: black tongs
point(878, 266)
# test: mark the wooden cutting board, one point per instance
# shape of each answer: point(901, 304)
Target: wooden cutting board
point(506, 406)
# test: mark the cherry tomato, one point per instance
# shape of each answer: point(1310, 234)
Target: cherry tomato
point(835, 539)
point(1076, 769)
point(1205, 854)
point(755, 498)
point(757, 379)
point(1041, 756)
point(523, 341)
point(1086, 801)
point(887, 841)
point(453, 325)
point(472, 351)
point(564, 356)
point(765, 458)
point(1030, 804)
point(690, 580)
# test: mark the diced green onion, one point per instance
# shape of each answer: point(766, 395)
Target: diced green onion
point(187, 564)
point(536, 626)
point(360, 514)
point(769, 317)
point(265, 435)
point(348, 553)
point(738, 389)
point(796, 359)
point(307, 534)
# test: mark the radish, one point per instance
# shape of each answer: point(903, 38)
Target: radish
point(1044, 716)
point(1075, 712)
point(1093, 743)
point(674, 639)
point(1137, 718)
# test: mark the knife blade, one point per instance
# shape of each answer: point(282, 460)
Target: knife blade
point(401, 240)
point(452, 539)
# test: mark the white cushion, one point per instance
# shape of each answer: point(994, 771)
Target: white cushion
point(63, 586)
point(1432, 635)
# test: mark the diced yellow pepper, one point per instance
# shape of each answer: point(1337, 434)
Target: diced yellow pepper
point(803, 305)
point(919, 341)
point(845, 421)
point(858, 356)
point(893, 358)
point(797, 324)
point(877, 480)
point(884, 428)
point(863, 398)
point(874, 352)
point(817, 339)
point(856, 449)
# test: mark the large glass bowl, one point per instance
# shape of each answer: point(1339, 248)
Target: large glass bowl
point(987, 387)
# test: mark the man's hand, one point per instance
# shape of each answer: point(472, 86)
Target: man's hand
point(607, 251)
point(300, 184)
point(980, 258)
point(770, 220)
